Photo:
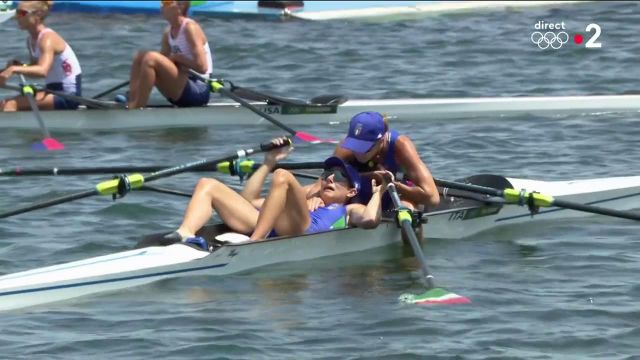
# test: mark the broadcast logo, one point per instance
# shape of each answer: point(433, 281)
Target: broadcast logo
point(548, 35)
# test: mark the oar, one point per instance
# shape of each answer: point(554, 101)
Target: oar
point(433, 294)
point(216, 86)
point(245, 166)
point(122, 185)
point(119, 86)
point(162, 190)
point(90, 103)
point(523, 197)
point(47, 143)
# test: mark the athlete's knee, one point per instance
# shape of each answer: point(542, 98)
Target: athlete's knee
point(9, 105)
point(149, 58)
point(281, 177)
point(209, 186)
point(137, 57)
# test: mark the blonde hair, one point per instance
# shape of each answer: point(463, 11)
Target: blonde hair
point(386, 118)
point(184, 7)
point(40, 6)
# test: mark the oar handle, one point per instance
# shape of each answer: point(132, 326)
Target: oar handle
point(271, 146)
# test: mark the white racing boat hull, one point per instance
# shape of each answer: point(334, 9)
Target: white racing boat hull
point(307, 10)
point(400, 9)
point(142, 266)
point(223, 114)
point(145, 265)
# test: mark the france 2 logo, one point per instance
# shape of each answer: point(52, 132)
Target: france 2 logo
point(546, 38)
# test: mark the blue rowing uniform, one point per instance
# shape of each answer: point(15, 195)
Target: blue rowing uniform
point(326, 218)
point(388, 163)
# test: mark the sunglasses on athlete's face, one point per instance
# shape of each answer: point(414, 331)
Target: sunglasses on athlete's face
point(338, 175)
point(23, 12)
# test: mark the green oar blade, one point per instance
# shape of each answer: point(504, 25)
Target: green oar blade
point(434, 296)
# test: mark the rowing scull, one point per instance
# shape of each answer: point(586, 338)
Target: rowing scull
point(458, 216)
point(295, 114)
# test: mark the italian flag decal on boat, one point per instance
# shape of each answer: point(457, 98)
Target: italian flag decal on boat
point(434, 296)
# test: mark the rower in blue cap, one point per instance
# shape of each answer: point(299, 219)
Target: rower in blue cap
point(370, 145)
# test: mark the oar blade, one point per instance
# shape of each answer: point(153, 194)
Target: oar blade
point(435, 296)
point(47, 144)
point(306, 137)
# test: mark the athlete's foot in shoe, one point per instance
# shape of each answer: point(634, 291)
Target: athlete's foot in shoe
point(177, 236)
point(199, 242)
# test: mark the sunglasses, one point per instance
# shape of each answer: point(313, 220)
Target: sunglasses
point(23, 12)
point(338, 175)
point(165, 4)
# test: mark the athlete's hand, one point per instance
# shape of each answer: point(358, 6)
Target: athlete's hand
point(5, 75)
point(380, 180)
point(13, 62)
point(272, 157)
point(314, 203)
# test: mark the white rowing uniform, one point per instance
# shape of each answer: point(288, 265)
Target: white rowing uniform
point(65, 70)
point(180, 45)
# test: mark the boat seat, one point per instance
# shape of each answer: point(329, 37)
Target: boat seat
point(232, 238)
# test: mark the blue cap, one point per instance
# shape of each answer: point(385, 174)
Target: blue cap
point(365, 129)
point(352, 174)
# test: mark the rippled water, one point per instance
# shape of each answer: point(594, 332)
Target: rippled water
point(560, 290)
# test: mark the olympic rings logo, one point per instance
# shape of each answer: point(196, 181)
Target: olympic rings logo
point(549, 39)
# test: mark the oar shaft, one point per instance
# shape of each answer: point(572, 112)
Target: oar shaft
point(32, 102)
point(540, 200)
point(18, 171)
point(111, 170)
point(596, 209)
point(256, 110)
point(469, 187)
point(136, 180)
point(165, 191)
point(186, 167)
point(119, 86)
point(406, 223)
point(48, 203)
point(245, 103)
point(90, 103)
